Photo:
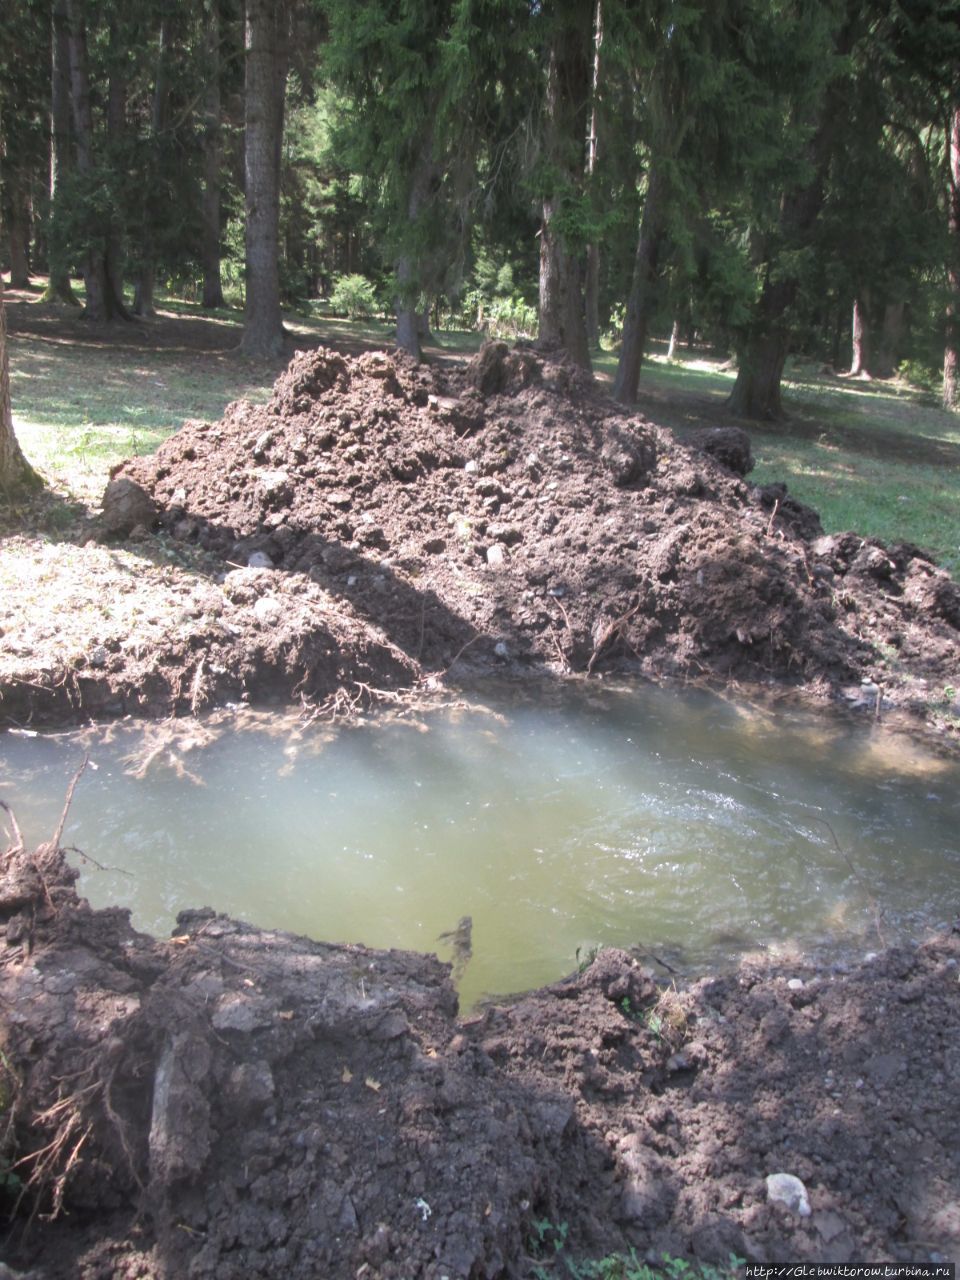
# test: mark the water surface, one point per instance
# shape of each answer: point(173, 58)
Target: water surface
point(678, 822)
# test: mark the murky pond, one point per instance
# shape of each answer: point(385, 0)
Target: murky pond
point(673, 821)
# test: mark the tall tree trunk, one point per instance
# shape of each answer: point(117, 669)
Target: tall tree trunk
point(264, 86)
point(674, 339)
point(562, 318)
point(18, 229)
point(143, 304)
point(860, 329)
point(15, 472)
point(891, 340)
point(410, 266)
point(98, 305)
point(764, 344)
point(59, 288)
point(408, 311)
point(210, 209)
point(643, 287)
point(951, 353)
point(756, 392)
point(592, 283)
point(116, 127)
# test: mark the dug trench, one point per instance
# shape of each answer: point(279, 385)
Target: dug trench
point(233, 1102)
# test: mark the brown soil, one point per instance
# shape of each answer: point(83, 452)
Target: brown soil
point(507, 516)
point(236, 1103)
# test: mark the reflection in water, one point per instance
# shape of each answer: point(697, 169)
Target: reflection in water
point(676, 822)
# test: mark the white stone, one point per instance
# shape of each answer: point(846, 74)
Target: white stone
point(785, 1189)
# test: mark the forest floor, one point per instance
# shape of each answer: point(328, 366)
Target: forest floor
point(236, 1103)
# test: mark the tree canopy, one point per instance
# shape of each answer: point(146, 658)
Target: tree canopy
point(761, 177)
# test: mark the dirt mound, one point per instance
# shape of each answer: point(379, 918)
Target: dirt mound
point(236, 1102)
point(509, 513)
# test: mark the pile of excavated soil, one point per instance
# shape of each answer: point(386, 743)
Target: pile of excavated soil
point(377, 524)
point(234, 1102)
point(510, 514)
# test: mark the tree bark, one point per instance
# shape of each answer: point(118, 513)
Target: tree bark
point(265, 79)
point(674, 339)
point(891, 339)
point(143, 304)
point(18, 230)
point(562, 312)
point(756, 392)
point(116, 126)
point(642, 297)
point(409, 269)
point(592, 283)
point(97, 306)
point(951, 352)
point(15, 472)
point(59, 288)
point(765, 343)
point(860, 328)
point(210, 209)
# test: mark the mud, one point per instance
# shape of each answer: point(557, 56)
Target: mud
point(378, 523)
point(234, 1102)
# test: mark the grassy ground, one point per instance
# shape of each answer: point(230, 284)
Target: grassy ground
point(876, 457)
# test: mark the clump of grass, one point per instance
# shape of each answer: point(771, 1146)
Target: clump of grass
point(548, 1241)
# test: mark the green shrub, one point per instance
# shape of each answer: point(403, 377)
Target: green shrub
point(511, 318)
point(354, 297)
point(919, 374)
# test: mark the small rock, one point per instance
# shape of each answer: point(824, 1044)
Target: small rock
point(126, 504)
point(259, 560)
point(501, 650)
point(470, 467)
point(795, 984)
point(250, 1086)
point(268, 611)
point(97, 657)
point(785, 1189)
point(496, 555)
point(241, 1013)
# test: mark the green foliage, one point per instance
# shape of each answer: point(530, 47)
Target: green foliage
point(354, 297)
point(919, 373)
point(549, 1241)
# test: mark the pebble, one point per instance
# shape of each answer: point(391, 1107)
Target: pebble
point(470, 467)
point(795, 984)
point(501, 650)
point(785, 1189)
point(98, 656)
point(496, 555)
point(259, 560)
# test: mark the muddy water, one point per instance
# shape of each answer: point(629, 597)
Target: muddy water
point(679, 823)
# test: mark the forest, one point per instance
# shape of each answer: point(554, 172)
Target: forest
point(763, 176)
